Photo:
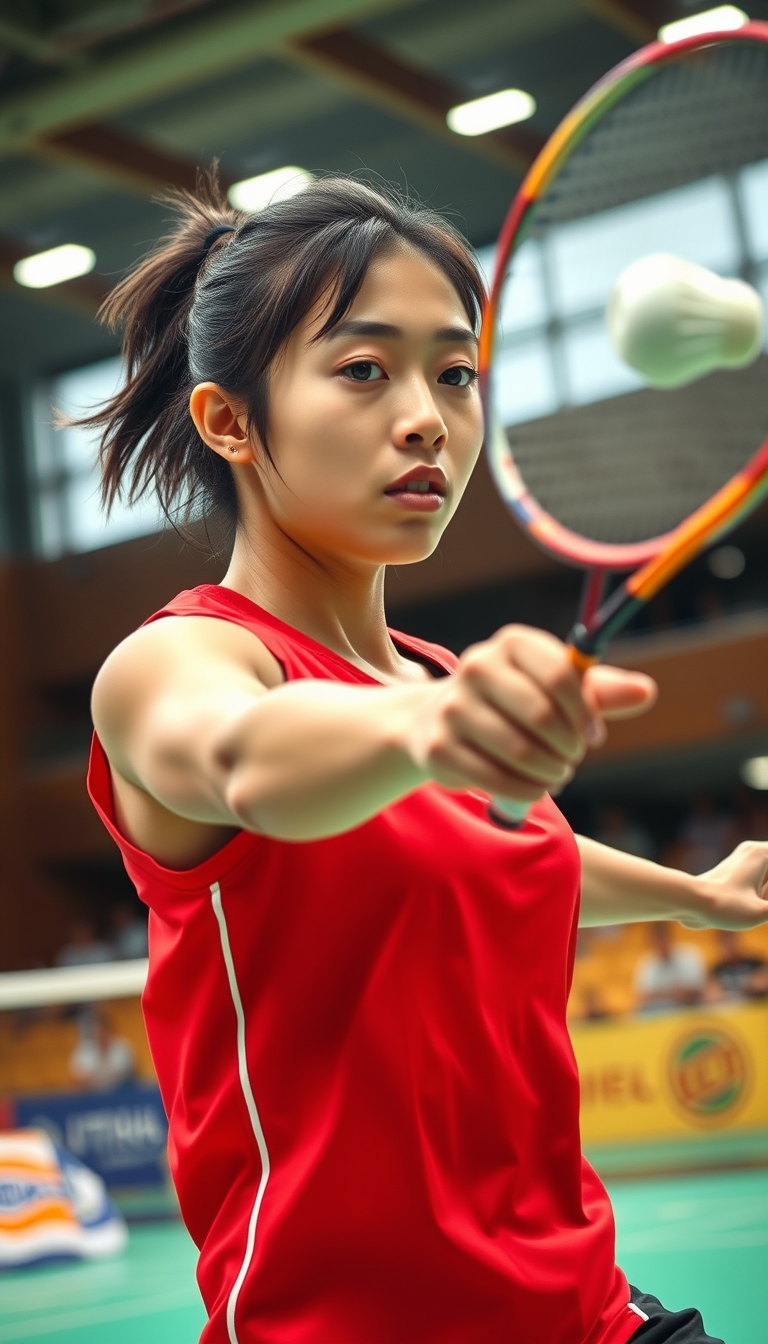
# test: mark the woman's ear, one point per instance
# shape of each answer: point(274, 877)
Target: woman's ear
point(221, 422)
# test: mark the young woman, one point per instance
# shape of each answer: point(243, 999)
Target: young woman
point(358, 982)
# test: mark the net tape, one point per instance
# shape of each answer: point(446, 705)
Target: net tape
point(72, 984)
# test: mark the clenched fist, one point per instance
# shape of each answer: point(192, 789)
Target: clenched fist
point(515, 719)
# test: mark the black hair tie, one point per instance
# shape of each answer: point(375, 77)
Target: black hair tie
point(215, 233)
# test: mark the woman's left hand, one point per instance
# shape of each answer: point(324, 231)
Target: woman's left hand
point(734, 894)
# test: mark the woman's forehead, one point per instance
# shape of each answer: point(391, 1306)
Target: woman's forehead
point(406, 277)
point(402, 289)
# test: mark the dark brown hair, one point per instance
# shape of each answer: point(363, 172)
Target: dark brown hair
point(193, 314)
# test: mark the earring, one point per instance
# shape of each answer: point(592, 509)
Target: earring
point(233, 450)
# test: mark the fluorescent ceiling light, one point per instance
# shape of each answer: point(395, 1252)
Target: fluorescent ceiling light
point(719, 20)
point(754, 772)
point(492, 112)
point(54, 266)
point(253, 193)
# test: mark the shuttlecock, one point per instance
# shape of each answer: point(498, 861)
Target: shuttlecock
point(674, 321)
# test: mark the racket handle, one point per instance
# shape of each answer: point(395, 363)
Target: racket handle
point(511, 813)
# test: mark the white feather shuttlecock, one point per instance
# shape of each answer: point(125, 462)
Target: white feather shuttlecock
point(674, 321)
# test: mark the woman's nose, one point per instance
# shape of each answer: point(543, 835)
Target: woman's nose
point(421, 426)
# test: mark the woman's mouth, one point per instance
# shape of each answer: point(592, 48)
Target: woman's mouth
point(422, 493)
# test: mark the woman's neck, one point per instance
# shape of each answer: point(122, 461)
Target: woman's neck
point(338, 604)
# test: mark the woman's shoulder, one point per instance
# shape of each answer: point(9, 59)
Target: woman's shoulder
point(175, 656)
point(165, 640)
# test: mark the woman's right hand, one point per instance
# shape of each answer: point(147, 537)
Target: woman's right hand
point(515, 719)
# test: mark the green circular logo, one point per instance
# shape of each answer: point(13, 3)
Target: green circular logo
point(709, 1074)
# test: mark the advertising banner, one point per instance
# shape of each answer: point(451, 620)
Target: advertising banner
point(121, 1135)
point(696, 1079)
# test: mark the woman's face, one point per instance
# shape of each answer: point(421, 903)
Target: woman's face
point(375, 428)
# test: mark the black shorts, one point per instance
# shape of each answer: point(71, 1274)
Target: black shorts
point(668, 1327)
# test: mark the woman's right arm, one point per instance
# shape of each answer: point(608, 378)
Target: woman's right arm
point(192, 712)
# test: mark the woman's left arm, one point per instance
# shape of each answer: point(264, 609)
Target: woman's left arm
point(619, 888)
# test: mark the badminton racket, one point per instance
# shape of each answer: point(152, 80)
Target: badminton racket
point(624, 388)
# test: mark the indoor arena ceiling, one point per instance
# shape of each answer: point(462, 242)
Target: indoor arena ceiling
point(104, 103)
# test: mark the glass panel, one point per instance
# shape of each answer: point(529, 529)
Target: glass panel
point(588, 255)
point(69, 512)
point(48, 529)
point(89, 528)
point(594, 370)
point(762, 288)
point(76, 393)
point(754, 186)
point(524, 303)
point(44, 437)
point(524, 387)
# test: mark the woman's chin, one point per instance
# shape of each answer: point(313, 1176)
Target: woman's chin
point(410, 552)
point(412, 545)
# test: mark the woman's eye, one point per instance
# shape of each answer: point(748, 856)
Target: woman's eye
point(458, 376)
point(364, 371)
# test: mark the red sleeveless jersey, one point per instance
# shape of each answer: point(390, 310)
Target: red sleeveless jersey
point(362, 1049)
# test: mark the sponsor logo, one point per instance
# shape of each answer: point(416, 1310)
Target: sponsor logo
point(15, 1195)
point(115, 1135)
point(709, 1074)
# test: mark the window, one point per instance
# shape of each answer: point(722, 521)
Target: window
point(68, 512)
point(754, 190)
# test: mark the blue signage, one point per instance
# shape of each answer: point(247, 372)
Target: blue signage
point(121, 1135)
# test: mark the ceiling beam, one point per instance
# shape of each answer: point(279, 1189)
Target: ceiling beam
point(362, 67)
point(84, 295)
point(375, 74)
point(199, 49)
point(65, 44)
point(19, 38)
point(126, 160)
point(636, 19)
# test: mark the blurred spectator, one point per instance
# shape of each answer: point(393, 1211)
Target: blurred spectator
point(672, 975)
point(588, 1002)
point(708, 603)
point(129, 932)
point(752, 811)
point(661, 612)
point(736, 975)
point(617, 829)
point(84, 947)
point(705, 837)
point(593, 1008)
point(100, 1061)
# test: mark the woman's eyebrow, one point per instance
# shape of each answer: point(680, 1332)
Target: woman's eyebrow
point(386, 330)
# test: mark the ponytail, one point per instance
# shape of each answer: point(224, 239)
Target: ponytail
point(217, 299)
point(149, 441)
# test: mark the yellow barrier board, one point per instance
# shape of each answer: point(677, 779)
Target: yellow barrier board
point(693, 1073)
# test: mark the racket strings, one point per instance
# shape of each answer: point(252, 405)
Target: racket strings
point(634, 466)
point(692, 119)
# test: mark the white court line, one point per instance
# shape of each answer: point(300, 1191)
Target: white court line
point(651, 1242)
point(114, 1311)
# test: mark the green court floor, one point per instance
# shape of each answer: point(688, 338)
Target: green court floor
point(691, 1239)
